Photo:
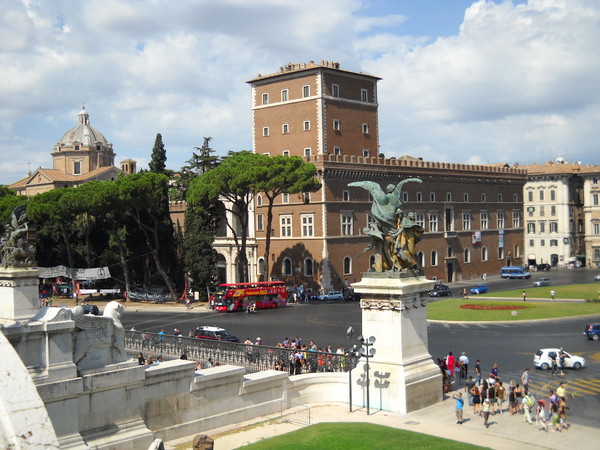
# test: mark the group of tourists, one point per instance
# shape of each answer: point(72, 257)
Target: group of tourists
point(488, 395)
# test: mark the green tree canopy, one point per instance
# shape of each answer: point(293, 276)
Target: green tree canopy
point(284, 174)
point(233, 182)
point(158, 163)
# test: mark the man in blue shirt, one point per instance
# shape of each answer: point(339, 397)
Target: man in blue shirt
point(459, 407)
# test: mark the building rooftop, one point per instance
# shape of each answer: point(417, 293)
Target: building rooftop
point(306, 66)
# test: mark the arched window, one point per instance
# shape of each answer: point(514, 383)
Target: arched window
point(434, 258)
point(287, 267)
point(309, 267)
point(259, 200)
point(262, 266)
point(421, 259)
point(467, 255)
point(517, 251)
point(484, 253)
point(347, 265)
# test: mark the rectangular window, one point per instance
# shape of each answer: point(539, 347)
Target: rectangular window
point(433, 221)
point(286, 153)
point(553, 195)
point(552, 210)
point(420, 219)
point(306, 197)
point(366, 153)
point(364, 95)
point(595, 180)
point(337, 151)
point(285, 128)
point(553, 242)
point(542, 242)
point(483, 197)
point(260, 222)
point(365, 128)
point(595, 199)
point(466, 197)
point(284, 95)
point(307, 125)
point(500, 197)
point(500, 220)
point(542, 210)
point(404, 197)
point(448, 196)
point(337, 125)
point(285, 197)
point(306, 91)
point(265, 99)
point(265, 131)
point(596, 228)
point(542, 227)
point(515, 198)
point(530, 196)
point(285, 223)
point(466, 221)
point(531, 242)
point(335, 90)
point(553, 226)
point(307, 151)
point(432, 196)
point(346, 196)
point(484, 220)
point(500, 252)
point(308, 225)
point(347, 228)
point(530, 210)
point(419, 196)
point(541, 194)
point(77, 168)
point(516, 219)
point(531, 227)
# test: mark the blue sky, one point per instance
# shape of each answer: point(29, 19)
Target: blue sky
point(462, 81)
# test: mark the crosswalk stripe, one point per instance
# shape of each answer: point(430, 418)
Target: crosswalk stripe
point(575, 387)
point(481, 325)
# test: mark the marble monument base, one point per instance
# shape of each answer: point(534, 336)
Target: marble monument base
point(403, 376)
point(19, 294)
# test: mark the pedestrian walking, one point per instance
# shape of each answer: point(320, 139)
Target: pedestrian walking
point(524, 296)
point(478, 372)
point(525, 380)
point(552, 295)
point(528, 404)
point(540, 415)
point(487, 408)
point(459, 407)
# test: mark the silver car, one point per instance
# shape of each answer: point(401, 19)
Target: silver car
point(542, 282)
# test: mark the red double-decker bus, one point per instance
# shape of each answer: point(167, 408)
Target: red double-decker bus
point(249, 296)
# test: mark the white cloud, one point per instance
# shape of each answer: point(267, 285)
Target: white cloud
point(518, 82)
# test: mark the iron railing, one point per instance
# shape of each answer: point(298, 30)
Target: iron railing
point(254, 358)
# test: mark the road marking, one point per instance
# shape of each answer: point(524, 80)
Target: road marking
point(480, 325)
point(574, 387)
point(446, 325)
point(464, 325)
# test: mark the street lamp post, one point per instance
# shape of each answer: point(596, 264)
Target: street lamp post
point(367, 353)
point(349, 332)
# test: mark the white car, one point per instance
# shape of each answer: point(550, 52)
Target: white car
point(543, 361)
point(542, 282)
point(333, 295)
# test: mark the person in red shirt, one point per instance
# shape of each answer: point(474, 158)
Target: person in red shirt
point(450, 363)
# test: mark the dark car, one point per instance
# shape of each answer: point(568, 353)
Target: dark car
point(215, 333)
point(592, 331)
point(354, 296)
point(440, 290)
point(91, 309)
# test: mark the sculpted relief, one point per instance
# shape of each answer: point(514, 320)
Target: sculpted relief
point(15, 250)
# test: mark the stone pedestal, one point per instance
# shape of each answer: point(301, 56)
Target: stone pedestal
point(403, 376)
point(19, 296)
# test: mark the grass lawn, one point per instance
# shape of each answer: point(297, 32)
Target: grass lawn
point(451, 310)
point(356, 436)
point(579, 291)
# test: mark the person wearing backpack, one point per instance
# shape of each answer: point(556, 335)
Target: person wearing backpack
point(528, 403)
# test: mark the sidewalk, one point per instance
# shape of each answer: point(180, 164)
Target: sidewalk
point(505, 431)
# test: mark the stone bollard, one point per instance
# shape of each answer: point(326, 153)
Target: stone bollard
point(203, 442)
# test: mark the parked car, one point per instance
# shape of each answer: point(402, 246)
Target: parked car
point(91, 309)
point(215, 333)
point(542, 282)
point(354, 296)
point(592, 331)
point(479, 289)
point(543, 266)
point(440, 290)
point(333, 295)
point(542, 359)
point(597, 277)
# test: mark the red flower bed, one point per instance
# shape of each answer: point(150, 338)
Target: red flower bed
point(492, 307)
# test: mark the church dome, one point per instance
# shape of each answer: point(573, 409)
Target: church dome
point(83, 133)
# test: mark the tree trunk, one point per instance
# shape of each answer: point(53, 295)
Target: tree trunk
point(268, 238)
point(123, 257)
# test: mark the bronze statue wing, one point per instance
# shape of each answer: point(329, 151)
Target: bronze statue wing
point(371, 186)
point(398, 189)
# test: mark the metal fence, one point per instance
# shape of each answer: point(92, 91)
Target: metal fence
point(295, 413)
point(254, 358)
